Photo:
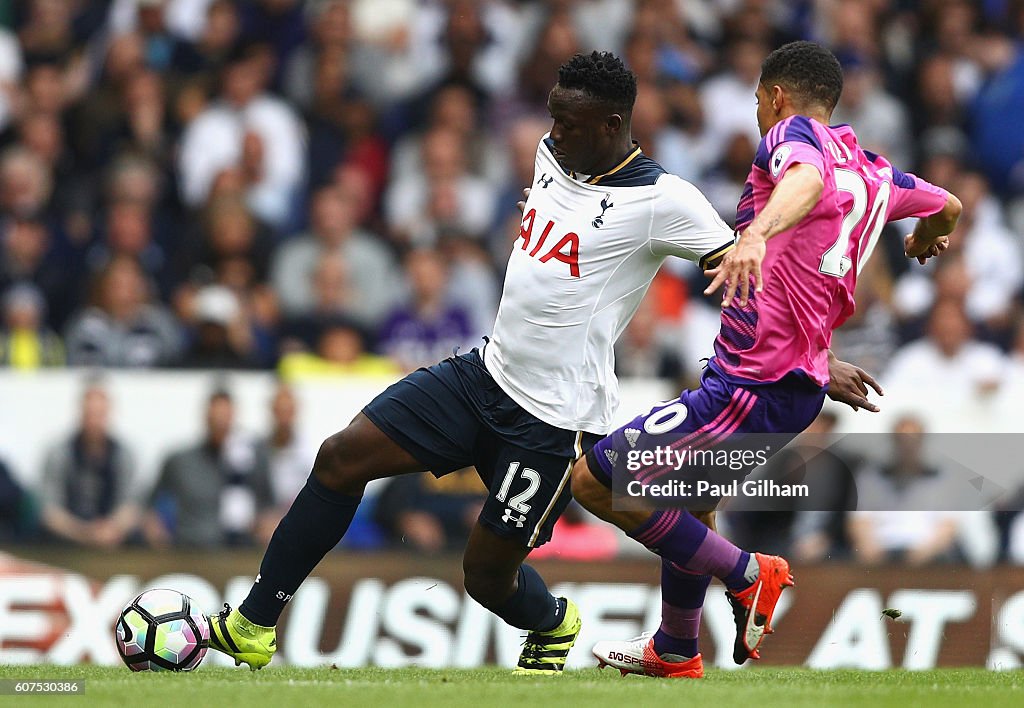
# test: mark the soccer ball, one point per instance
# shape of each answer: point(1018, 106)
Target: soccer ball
point(162, 630)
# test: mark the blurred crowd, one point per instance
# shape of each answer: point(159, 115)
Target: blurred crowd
point(326, 187)
point(330, 186)
point(230, 487)
point(875, 498)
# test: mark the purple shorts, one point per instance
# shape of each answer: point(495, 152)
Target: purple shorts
point(719, 418)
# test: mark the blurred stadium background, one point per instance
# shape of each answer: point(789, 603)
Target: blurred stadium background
point(226, 224)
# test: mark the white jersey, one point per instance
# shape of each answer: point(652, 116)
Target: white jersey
point(586, 253)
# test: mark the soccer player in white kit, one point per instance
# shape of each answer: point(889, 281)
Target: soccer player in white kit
point(599, 221)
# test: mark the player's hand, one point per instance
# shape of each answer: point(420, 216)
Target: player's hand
point(522, 204)
point(922, 252)
point(737, 267)
point(849, 384)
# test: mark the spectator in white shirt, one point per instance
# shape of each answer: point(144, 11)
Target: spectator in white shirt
point(722, 95)
point(671, 147)
point(372, 271)
point(11, 66)
point(252, 129)
point(419, 205)
point(948, 354)
point(984, 249)
point(455, 107)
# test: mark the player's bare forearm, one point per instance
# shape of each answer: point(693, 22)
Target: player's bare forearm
point(791, 200)
point(941, 223)
point(931, 235)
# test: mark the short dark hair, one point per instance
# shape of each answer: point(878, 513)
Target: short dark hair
point(603, 76)
point(808, 69)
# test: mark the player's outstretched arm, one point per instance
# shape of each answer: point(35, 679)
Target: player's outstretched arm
point(931, 235)
point(849, 384)
point(791, 200)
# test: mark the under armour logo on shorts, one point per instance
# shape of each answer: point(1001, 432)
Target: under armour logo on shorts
point(509, 517)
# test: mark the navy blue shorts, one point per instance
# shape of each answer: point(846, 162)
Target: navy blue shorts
point(454, 415)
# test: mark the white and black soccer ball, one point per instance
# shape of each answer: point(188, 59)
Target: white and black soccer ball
point(162, 630)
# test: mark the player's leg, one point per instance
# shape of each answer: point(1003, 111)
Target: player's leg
point(416, 424)
point(673, 650)
point(754, 581)
point(498, 579)
point(322, 512)
point(491, 567)
point(700, 418)
point(315, 523)
point(529, 490)
point(682, 603)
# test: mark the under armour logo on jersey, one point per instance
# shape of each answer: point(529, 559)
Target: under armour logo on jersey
point(632, 435)
point(509, 516)
point(613, 456)
point(605, 206)
point(544, 180)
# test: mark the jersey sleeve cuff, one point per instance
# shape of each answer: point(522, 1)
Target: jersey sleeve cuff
point(717, 253)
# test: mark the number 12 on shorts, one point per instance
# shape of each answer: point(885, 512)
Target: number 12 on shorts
point(519, 501)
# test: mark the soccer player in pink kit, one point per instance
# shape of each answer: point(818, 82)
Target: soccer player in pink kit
point(821, 201)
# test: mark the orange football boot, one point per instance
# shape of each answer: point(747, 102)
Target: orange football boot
point(753, 608)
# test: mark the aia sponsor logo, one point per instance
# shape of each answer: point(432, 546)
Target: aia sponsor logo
point(565, 250)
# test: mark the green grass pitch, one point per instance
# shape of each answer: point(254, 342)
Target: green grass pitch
point(423, 688)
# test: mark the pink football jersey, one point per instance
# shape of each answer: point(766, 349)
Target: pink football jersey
point(810, 271)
